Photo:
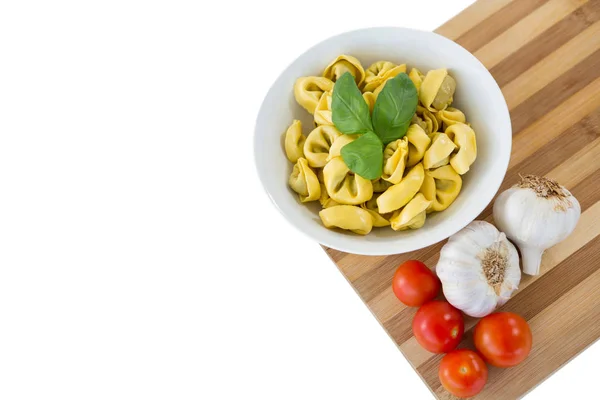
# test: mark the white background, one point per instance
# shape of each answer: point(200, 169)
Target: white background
point(139, 256)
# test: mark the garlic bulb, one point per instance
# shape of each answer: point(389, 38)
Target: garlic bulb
point(536, 214)
point(479, 269)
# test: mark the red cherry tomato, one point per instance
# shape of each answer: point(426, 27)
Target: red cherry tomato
point(414, 284)
point(503, 339)
point(463, 373)
point(438, 326)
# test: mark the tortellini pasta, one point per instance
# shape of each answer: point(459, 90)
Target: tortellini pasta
point(351, 218)
point(464, 138)
point(428, 190)
point(341, 141)
point(380, 185)
point(395, 156)
point(343, 185)
point(451, 116)
point(387, 76)
point(421, 171)
point(412, 216)
point(447, 185)
point(318, 143)
point(418, 142)
point(343, 64)
point(417, 120)
point(304, 182)
point(309, 89)
point(399, 195)
point(379, 220)
point(432, 124)
point(323, 111)
point(437, 90)
point(294, 141)
point(416, 77)
point(370, 100)
point(320, 175)
point(439, 152)
point(379, 72)
point(417, 222)
point(325, 200)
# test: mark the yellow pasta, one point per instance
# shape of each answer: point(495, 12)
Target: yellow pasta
point(387, 76)
point(350, 218)
point(380, 185)
point(421, 171)
point(417, 222)
point(294, 141)
point(370, 100)
point(309, 89)
point(395, 156)
point(318, 143)
point(304, 182)
point(432, 124)
point(376, 74)
point(412, 216)
point(322, 113)
point(464, 138)
point(325, 200)
point(427, 189)
point(343, 64)
point(416, 77)
point(337, 145)
point(320, 177)
point(451, 116)
point(447, 187)
point(437, 90)
point(399, 195)
point(418, 142)
point(439, 152)
point(343, 185)
point(417, 120)
point(379, 221)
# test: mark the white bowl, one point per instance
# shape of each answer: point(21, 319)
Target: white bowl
point(477, 95)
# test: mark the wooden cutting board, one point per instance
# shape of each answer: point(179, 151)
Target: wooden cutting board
point(545, 55)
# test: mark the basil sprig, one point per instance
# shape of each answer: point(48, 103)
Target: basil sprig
point(364, 156)
point(350, 113)
point(394, 108)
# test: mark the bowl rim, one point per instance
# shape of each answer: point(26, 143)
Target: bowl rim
point(371, 248)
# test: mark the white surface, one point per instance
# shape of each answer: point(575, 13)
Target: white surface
point(139, 256)
point(477, 95)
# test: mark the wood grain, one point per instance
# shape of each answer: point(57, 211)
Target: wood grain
point(554, 123)
point(545, 55)
point(553, 66)
point(470, 17)
point(556, 92)
point(560, 33)
point(491, 27)
point(526, 30)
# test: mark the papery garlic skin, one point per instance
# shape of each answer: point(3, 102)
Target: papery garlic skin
point(465, 283)
point(536, 218)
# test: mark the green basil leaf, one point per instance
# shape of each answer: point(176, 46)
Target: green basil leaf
point(394, 108)
point(350, 112)
point(364, 156)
